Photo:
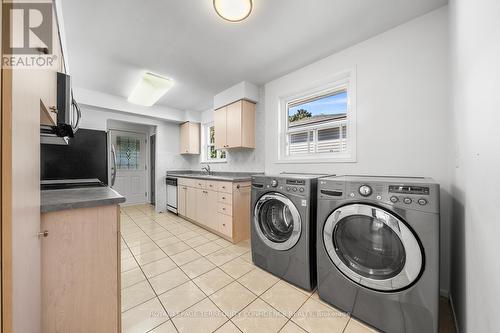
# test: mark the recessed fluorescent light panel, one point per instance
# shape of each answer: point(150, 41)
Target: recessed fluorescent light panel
point(150, 89)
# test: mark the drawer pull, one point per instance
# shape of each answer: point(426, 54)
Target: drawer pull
point(223, 208)
point(223, 198)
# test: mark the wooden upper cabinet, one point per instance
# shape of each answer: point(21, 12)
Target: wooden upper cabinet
point(190, 138)
point(235, 125)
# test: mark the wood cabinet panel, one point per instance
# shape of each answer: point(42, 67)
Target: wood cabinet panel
point(220, 128)
point(233, 125)
point(225, 187)
point(212, 186)
point(225, 209)
point(80, 270)
point(199, 183)
point(181, 200)
point(190, 138)
point(191, 202)
point(225, 225)
point(225, 198)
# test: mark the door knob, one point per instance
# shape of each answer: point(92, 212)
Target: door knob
point(43, 234)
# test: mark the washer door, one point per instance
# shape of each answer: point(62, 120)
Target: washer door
point(372, 247)
point(277, 221)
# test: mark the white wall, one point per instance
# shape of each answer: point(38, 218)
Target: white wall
point(475, 37)
point(403, 123)
point(240, 160)
point(167, 143)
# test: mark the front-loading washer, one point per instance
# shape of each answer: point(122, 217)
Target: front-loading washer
point(283, 226)
point(378, 250)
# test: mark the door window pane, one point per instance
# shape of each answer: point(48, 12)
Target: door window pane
point(128, 153)
point(369, 247)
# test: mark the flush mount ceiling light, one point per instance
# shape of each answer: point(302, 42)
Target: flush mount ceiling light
point(150, 88)
point(233, 10)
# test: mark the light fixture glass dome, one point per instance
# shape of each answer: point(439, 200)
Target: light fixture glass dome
point(233, 10)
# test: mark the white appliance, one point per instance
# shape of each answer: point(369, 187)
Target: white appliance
point(172, 194)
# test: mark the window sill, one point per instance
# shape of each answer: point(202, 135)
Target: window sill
point(313, 160)
point(213, 162)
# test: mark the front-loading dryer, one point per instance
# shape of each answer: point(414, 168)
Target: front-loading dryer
point(283, 226)
point(378, 250)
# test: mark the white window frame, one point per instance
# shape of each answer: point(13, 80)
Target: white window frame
point(342, 81)
point(205, 140)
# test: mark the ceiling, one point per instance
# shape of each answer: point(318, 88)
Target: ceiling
point(110, 42)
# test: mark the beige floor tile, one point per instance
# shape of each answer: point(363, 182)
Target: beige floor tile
point(144, 317)
point(167, 327)
point(161, 233)
point(237, 268)
point(196, 241)
point(179, 230)
point(139, 242)
point(239, 250)
point(232, 298)
point(136, 294)
point(222, 242)
point(355, 326)
point(180, 298)
point(185, 257)
point(148, 257)
point(167, 241)
point(158, 267)
point(247, 257)
point(168, 280)
point(291, 327)
point(173, 249)
point(258, 281)
point(128, 264)
point(197, 267)
point(208, 248)
point(259, 317)
point(125, 254)
point(135, 236)
point(132, 277)
point(187, 235)
point(314, 317)
point(200, 318)
point(228, 327)
point(284, 298)
point(211, 236)
point(212, 281)
point(144, 248)
point(222, 256)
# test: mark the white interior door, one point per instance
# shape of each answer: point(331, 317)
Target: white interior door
point(131, 158)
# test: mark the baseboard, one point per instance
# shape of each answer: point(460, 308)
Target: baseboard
point(454, 314)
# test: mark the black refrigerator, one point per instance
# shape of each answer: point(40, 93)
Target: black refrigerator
point(85, 157)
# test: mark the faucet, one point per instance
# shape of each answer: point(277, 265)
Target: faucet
point(206, 168)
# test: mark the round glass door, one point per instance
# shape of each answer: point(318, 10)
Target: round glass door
point(277, 221)
point(372, 247)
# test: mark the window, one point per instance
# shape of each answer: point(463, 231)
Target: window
point(210, 154)
point(128, 153)
point(319, 125)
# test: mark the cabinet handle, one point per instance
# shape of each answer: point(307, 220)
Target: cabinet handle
point(43, 234)
point(223, 224)
point(223, 198)
point(223, 208)
point(53, 109)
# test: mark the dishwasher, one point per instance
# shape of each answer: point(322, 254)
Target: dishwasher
point(172, 194)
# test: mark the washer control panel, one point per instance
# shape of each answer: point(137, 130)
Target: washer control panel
point(285, 185)
point(406, 195)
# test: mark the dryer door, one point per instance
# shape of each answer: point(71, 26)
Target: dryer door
point(372, 247)
point(277, 221)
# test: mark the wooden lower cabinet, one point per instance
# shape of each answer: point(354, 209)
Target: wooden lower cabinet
point(221, 207)
point(81, 270)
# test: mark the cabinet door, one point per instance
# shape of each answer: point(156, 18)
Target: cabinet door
point(181, 200)
point(201, 206)
point(220, 128)
point(184, 144)
point(191, 203)
point(211, 210)
point(233, 125)
point(225, 225)
point(194, 138)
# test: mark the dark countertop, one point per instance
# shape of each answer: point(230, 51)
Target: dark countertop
point(56, 200)
point(214, 175)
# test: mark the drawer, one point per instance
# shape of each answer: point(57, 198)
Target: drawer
point(225, 225)
point(225, 209)
point(211, 185)
point(226, 198)
point(200, 183)
point(225, 187)
point(186, 182)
